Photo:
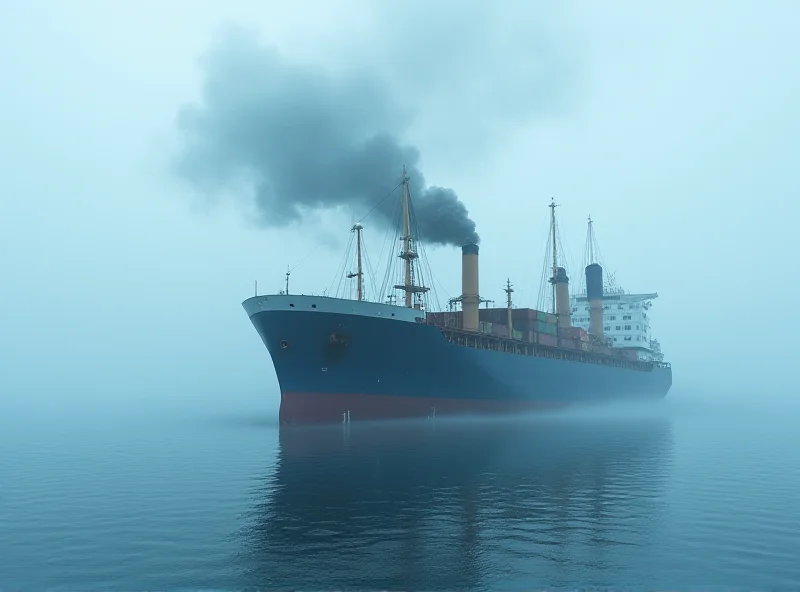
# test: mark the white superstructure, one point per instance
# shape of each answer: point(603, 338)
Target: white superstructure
point(626, 322)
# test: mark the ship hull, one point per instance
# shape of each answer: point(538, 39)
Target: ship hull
point(337, 361)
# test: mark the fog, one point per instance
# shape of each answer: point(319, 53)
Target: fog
point(675, 125)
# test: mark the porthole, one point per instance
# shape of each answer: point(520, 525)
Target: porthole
point(291, 305)
point(284, 344)
point(313, 306)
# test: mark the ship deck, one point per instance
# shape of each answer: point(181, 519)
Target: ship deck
point(525, 348)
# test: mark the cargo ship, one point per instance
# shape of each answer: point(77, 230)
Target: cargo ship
point(342, 359)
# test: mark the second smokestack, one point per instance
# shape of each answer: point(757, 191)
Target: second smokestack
point(561, 282)
point(594, 294)
point(470, 298)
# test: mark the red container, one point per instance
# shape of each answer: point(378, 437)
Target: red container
point(444, 319)
point(493, 315)
point(523, 315)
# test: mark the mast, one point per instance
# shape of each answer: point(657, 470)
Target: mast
point(408, 254)
point(508, 291)
point(360, 273)
point(552, 207)
point(406, 240)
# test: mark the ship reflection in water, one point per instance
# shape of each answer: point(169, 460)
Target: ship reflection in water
point(459, 504)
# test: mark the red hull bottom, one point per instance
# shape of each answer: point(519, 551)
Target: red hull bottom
point(301, 408)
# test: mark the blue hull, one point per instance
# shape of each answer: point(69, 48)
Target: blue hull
point(330, 363)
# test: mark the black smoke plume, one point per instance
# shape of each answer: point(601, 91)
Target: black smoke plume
point(299, 140)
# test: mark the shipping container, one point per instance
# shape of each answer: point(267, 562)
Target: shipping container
point(577, 333)
point(493, 315)
point(550, 329)
point(574, 333)
point(519, 316)
point(547, 339)
point(546, 317)
point(500, 330)
point(449, 319)
point(567, 343)
point(525, 326)
point(523, 313)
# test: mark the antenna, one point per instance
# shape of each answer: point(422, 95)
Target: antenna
point(287, 279)
point(553, 207)
point(406, 239)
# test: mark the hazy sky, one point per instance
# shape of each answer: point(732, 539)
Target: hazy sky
point(676, 125)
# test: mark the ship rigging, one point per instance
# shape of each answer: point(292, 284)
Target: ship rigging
point(337, 356)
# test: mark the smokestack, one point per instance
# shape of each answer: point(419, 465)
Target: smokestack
point(562, 297)
point(594, 293)
point(469, 286)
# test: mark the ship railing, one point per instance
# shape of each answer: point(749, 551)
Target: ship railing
point(460, 337)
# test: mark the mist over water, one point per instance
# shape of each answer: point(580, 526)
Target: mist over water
point(688, 492)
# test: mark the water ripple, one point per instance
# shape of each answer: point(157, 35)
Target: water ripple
point(557, 501)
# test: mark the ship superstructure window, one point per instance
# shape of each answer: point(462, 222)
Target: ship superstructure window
point(618, 328)
point(612, 318)
point(627, 327)
point(608, 328)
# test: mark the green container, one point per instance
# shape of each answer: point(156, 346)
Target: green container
point(546, 317)
point(548, 328)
